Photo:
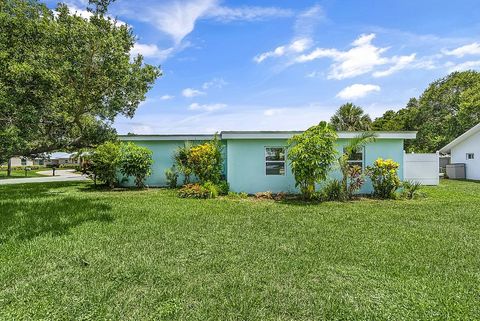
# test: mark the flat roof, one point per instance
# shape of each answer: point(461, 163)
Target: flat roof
point(261, 135)
point(472, 131)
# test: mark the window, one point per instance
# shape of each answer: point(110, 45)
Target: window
point(470, 156)
point(41, 162)
point(275, 160)
point(356, 158)
point(24, 161)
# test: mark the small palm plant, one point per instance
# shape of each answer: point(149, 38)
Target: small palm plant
point(353, 146)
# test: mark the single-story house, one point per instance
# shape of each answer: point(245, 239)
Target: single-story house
point(465, 149)
point(256, 161)
point(58, 158)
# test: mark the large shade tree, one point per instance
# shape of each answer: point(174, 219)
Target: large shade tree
point(64, 78)
point(446, 109)
point(350, 117)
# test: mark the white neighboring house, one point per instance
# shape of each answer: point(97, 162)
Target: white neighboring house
point(58, 158)
point(465, 149)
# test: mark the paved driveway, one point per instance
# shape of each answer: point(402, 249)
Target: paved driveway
point(66, 175)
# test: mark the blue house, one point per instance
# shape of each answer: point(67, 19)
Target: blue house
point(255, 161)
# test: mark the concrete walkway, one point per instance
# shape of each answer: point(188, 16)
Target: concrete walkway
point(60, 176)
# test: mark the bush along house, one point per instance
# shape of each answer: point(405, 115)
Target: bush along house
point(256, 161)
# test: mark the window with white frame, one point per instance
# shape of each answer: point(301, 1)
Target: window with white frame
point(470, 156)
point(275, 161)
point(356, 158)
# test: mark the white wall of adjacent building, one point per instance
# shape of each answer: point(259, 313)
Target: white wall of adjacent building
point(461, 153)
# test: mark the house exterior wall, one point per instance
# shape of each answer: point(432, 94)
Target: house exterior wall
point(459, 155)
point(244, 163)
point(17, 161)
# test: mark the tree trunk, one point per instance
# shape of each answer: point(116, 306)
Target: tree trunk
point(9, 167)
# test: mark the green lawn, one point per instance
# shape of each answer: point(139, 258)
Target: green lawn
point(73, 253)
point(21, 174)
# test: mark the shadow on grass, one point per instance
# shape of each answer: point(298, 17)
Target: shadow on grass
point(39, 209)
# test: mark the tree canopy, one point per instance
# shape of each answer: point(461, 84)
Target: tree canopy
point(350, 117)
point(446, 109)
point(64, 78)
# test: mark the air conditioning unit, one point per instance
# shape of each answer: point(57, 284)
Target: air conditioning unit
point(456, 171)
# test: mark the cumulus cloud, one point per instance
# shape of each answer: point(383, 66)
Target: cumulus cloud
point(151, 51)
point(470, 49)
point(296, 46)
point(190, 92)
point(214, 83)
point(167, 97)
point(357, 91)
point(362, 58)
point(206, 107)
point(467, 65)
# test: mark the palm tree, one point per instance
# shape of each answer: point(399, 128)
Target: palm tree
point(351, 118)
point(355, 144)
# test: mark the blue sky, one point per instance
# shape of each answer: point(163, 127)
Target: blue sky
point(286, 65)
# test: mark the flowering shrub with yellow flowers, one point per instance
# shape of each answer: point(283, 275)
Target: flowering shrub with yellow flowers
point(384, 177)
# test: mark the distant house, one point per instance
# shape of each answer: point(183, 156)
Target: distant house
point(58, 158)
point(257, 161)
point(465, 149)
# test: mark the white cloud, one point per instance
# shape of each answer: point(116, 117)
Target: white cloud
point(362, 58)
point(214, 83)
point(308, 20)
point(273, 111)
point(247, 13)
point(206, 107)
point(151, 51)
point(400, 63)
point(357, 91)
point(167, 97)
point(296, 46)
point(467, 65)
point(190, 92)
point(470, 49)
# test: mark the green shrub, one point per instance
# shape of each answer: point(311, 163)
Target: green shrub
point(411, 189)
point(136, 161)
point(311, 156)
point(356, 179)
point(212, 189)
point(384, 178)
point(206, 161)
point(223, 187)
point(241, 195)
point(171, 175)
point(181, 160)
point(332, 191)
point(193, 191)
point(104, 163)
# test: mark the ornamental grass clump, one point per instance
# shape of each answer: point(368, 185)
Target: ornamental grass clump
point(384, 177)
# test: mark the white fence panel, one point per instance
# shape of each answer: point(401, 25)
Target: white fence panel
point(422, 168)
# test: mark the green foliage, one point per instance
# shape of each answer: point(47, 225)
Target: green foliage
point(350, 118)
point(311, 155)
point(332, 191)
point(171, 175)
point(411, 189)
point(64, 78)
point(104, 163)
point(212, 189)
point(384, 177)
point(181, 160)
point(352, 180)
point(447, 108)
point(205, 161)
point(136, 161)
point(223, 187)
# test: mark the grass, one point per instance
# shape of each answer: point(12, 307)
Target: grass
point(21, 173)
point(69, 252)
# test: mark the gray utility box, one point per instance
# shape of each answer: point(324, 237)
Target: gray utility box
point(456, 171)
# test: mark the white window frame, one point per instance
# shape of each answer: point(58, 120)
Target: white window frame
point(284, 162)
point(472, 156)
point(361, 161)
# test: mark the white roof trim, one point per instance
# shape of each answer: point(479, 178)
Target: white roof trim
point(287, 135)
point(472, 131)
point(164, 137)
point(259, 135)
